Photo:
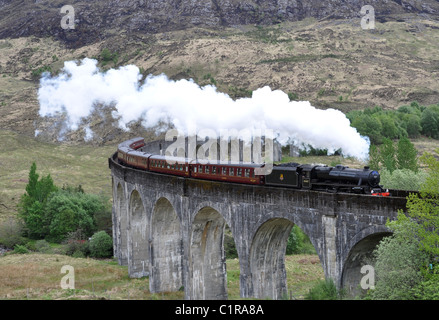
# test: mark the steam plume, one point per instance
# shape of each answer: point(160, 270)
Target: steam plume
point(189, 107)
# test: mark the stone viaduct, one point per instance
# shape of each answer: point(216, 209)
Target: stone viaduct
point(172, 230)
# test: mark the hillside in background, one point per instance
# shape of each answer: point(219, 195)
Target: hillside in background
point(315, 51)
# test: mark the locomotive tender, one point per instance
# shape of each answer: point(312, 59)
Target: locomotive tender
point(292, 175)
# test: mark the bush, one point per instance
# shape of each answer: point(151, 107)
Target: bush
point(11, 232)
point(324, 290)
point(402, 179)
point(20, 249)
point(101, 245)
point(69, 211)
point(298, 242)
point(77, 242)
point(42, 246)
point(398, 264)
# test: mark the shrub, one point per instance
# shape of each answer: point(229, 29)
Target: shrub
point(69, 210)
point(402, 179)
point(298, 242)
point(398, 263)
point(42, 246)
point(77, 242)
point(324, 290)
point(101, 245)
point(11, 232)
point(20, 249)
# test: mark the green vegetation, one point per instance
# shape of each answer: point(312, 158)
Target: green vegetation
point(407, 121)
point(325, 290)
point(50, 212)
point(299, 242)
point(107, 56)
point(407, 262)
point(101, 245)
point(36, 73)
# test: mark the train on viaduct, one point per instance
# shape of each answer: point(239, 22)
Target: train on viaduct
point(171, 229)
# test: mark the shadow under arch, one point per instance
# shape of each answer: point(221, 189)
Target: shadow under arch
point(360, 254)
point(120, 225)
point(166, 249)
point(207, 262)
point(138, 265)
point(267, 259)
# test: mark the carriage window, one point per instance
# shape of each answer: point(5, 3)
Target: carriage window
point(200, 169)
point(213, 170)
point(206, 169)
point(239, 173)
point(195, 169)
point(224, 171)
point(231, 173)
point(247, 173)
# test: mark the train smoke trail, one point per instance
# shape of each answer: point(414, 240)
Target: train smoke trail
point(80, 86)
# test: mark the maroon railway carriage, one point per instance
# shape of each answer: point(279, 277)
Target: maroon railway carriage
point(128, 153)
point(133, 158)
point(226, 171)
point(170, 165)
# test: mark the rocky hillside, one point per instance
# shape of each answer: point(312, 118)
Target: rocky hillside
point(98, 19)
point(312, 50)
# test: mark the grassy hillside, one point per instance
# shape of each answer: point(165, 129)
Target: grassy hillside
point(37, 277)
point(67, 164)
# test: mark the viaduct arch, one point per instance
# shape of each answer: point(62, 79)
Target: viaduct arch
point(172, 229)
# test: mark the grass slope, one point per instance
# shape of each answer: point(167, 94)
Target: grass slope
point(67, 164)
point(38, 276)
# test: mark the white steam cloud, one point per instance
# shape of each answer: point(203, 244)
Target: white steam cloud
point(189, 107)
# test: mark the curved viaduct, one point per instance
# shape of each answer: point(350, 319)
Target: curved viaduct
point(171, 229)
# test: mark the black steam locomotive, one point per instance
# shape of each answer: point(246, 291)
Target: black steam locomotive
point(321, 177)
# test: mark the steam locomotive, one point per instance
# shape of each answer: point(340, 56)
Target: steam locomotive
point(292, 175)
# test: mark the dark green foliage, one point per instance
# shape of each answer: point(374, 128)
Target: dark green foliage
point(406, 263)
point(70, 210)
point(52, 213)
point(20, 249)
point(406, 155)
point(229, 244)
point(106, 56)
point(298, 242)
point(430, 122)
point(32, 206)
point(388, 156)
point(408, 121)
point(101, 245)
point(324, 290)
point(392, 157)
point(36, 73)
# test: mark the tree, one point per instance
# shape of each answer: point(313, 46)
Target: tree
point(406, 155)
point(374, 157)
point(424, 207)
point(407, 262)
point(33, 203)
point(430, 122)
point(69, 210)
point(388, 155)
point(398, 263)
